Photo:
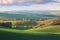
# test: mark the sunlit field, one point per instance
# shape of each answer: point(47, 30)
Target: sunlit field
point(30, 29)
point(44, 33)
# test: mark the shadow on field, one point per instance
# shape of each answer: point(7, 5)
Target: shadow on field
point(16, 28)
point(21, 28)
point(15, 36)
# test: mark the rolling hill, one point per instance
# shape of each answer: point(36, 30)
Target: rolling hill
point(47, 33)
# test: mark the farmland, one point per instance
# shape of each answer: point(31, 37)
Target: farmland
point(29, 25)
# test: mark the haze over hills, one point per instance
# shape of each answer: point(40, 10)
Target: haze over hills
point(28, 14)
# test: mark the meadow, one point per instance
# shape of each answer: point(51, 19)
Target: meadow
point(24, 29)
point(45, 33)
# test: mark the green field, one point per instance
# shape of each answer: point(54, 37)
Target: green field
point(45, 33)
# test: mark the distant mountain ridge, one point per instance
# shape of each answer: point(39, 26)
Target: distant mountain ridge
point(28, 14)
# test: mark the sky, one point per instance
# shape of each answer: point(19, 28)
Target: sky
point(19, 5)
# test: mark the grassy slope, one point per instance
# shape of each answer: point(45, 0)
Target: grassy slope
point(49, 29)
point(47, 33)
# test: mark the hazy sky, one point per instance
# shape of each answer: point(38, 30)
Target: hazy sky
point(10, 5)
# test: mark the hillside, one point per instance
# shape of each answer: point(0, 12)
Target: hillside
point(49, 29)
point(47, 33)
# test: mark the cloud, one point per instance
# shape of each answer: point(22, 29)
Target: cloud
point(25, 1)
point(31, 8)
point(56, 4)
point(57, 0)
point(41, 1)
point(11, 1)
point(33, 4)
point(6, 1)
point(35, 1)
